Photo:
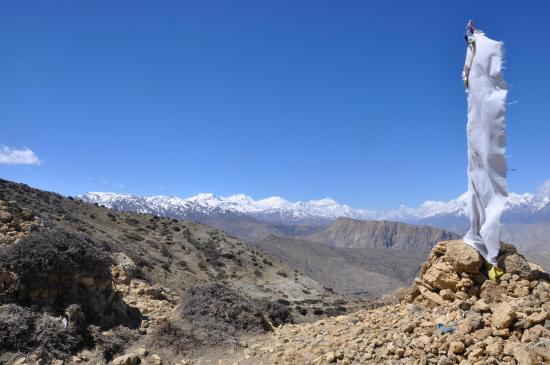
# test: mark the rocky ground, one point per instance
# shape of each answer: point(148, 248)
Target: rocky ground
point(80, 283)
point(452, 315)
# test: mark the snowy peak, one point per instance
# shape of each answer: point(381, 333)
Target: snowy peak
point(520, 207)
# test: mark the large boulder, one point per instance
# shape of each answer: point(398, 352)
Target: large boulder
point(446, 264)
point(516, 264)
point(463, 257)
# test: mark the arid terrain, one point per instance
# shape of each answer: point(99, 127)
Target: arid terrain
point(80, 283)
point(128, 274)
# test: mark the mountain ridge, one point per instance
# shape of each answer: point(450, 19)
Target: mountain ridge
point(524, 208)
point(351, 233)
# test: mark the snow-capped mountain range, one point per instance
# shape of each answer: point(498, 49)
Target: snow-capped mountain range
point(521, 208)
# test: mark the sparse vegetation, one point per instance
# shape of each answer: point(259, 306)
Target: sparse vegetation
point(23, 330)
point(218, 312)
point(168, 334)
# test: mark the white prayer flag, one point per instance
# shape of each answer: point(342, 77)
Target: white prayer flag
point(487, 190)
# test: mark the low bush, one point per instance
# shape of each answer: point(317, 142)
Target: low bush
point(277, 312)
point(111, 342)
point(22, 330)
point(217, 312)
point(168, 334)
point(53, 261)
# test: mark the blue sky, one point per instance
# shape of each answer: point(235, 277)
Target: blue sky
point(360, 101)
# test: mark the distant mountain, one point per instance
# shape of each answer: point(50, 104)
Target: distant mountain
point(521, 208)
point(351, 233)
point(274, 210)
point(524, 208)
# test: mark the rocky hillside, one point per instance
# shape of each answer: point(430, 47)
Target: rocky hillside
point(452, 315)
point(171, 253)
point(363, 273)
point(96, 281)
point(351, 233)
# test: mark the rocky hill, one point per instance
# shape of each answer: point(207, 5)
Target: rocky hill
point(351, 233)
point(98, 280)
point(452, 315)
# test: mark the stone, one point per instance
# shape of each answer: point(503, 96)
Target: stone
point(128, 359)
point(534, 333)
point(424, 340)
point(330, 357)
point(517, 264)
point(476, 353)
point(524, 356)
point(408, 327)
point(441, 276)
point(481, 306)
point(503, 315)
point(156, 360)
point(5, 217)
point(537, 317)
point(504, 333)
point(482, 333)
point(494, 349)
point(446, 294)
point(431, 296)
point(543, 352)
point(142, 352)
point(491, 292)
point(444, 360)
point(456, 347)
point(463, 257)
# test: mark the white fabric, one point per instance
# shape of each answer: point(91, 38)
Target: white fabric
point(487, 191)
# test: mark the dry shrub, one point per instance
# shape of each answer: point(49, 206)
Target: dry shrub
point(22, 330)
point(172, 335)
point(278, 312)
point(111, 342)
point(53, 260)
point(217, 313)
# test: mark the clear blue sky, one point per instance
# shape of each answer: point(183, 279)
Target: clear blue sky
point(361, 101)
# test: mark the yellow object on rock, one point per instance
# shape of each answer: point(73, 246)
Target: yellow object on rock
point(495, 273)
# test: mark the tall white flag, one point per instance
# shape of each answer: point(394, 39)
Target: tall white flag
point(487, 191)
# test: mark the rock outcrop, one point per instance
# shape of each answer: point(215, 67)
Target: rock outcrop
point(453, 314)
point(352, 233)
point(15, 223)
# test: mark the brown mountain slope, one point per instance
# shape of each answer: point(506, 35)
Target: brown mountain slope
point(367, 272)
point(351, 233)
point(173, 286)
